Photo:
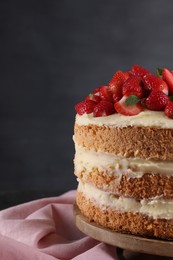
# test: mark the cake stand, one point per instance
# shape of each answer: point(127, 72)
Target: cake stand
point(122, 241)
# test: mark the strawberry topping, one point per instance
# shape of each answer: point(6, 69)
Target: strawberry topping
point(122, 108)
point(169, 110)
point(93, 97)
point(130, 92)
point(104, 108)
point(139, 71)
point(133, 86)
point(115, 85)
point(157, 101)
point(152, 82)
point(167, 76)
point(86, 106)
point(105, 93)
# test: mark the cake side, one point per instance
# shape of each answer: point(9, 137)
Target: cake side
point(123, 137)
point(132, 141)
point(125, 222)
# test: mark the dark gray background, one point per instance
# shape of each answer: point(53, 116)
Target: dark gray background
point(52, 53)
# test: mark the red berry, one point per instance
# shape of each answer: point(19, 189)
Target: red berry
point(93, 97)
point(157, 101)
point(154, 83)
point(106, 94)
point(133, 86)
point(169, 110)
point(117, 97)
point(96, 90)
point(123, 109)
point(115, 85)
point(86, 106)
point(128, 74)
point(139, 71)
point(118, 79)
point(167, 76)
point(104, 108)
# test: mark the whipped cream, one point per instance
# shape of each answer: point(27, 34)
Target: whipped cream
point(156, 208)
point(86, 160)
point(145, 118)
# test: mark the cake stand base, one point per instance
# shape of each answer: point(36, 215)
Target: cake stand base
point(124, 241)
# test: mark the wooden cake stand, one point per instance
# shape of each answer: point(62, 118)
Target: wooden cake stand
point(124, 241)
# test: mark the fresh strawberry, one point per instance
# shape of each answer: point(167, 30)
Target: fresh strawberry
point(122, 108)
point(93, 97)
point(133, 86)
point(103, 108)
point(154, 83)
point(169, 110)
point(86, 106)
point(128, 74)
point(106, 94)
point(157, 101)
point(118, 79)
point(96, 90)
point(167, 76)
point(117, 96)
point(115, 85)
point(139, 71)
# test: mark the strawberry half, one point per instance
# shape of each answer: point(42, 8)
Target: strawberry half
point(133, 86)
point(169, 110)
point(154, 83)
point(103, 108)
point(86, 106)
point(131, 110)
point(167, 76)
point(106, 94)
point(157, 101)
point(139, 71)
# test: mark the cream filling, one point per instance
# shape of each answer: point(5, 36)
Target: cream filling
point(155, 208)
point(145, 118)
point(86, 160)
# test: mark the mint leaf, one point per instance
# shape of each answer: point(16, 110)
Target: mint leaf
point(159, 72)
point(171, 98)
point(132, 100)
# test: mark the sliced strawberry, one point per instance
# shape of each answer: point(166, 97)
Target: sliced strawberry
point(103, 108)
point(169, 110)
point(139, 71)
point(93, 97)
point(86, 106)
point(167, 76)
point(157, 101)
point(123, 109)
point(133, 86)
point(115, 85)
point(152, 83)
point(106, 94)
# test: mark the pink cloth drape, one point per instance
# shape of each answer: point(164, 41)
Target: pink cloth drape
point(44, 229)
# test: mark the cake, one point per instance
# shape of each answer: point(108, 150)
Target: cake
point(123, 137)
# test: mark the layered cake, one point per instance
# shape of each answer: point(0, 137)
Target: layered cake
point(123, 137)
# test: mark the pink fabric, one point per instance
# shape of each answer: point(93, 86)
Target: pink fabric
point(44, 230)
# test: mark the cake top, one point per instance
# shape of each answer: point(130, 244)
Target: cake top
point(130, 93)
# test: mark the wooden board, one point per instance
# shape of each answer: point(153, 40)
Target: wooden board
point(125, 241)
